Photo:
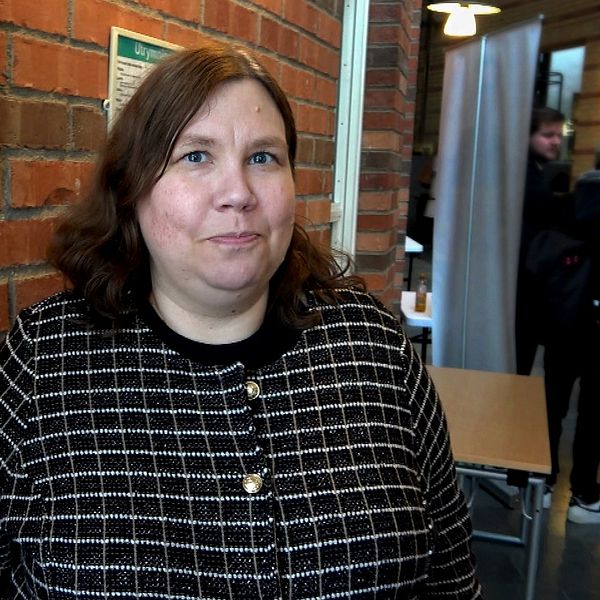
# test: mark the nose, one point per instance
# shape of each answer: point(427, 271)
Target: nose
point(236, 191)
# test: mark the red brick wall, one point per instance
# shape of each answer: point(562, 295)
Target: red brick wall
point(387, 145)
point(54, 71)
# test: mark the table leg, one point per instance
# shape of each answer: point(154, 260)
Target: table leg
point(424, 342)
point(534, 537)
point(532, 540)
point(410, 270)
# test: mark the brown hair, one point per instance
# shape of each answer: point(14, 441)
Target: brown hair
point(99, 245)
point(542, 115)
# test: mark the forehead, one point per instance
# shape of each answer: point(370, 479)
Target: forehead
point(240, 100)
point(550, 127)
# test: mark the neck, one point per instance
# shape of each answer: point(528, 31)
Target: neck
point(224, 325)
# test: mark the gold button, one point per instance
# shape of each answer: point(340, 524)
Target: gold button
point(252, 483)
point(252, 389)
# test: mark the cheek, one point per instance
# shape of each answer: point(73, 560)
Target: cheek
point(161, 218)
point(284, 216)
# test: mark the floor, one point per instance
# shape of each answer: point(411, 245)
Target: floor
point(569, 566)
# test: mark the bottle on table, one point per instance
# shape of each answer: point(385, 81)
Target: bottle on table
point(421, 294)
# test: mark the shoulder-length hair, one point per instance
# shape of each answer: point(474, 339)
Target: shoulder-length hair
point(99, 246)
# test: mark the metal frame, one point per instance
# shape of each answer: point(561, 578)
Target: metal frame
point(531, 517)
point(348, 137)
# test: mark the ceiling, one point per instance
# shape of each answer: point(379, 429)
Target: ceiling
point(566, 23)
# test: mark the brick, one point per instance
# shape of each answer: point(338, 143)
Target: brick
point(274, 6)
point(298, 83)
point(24, 242)
point(33, 124)
point(33, 289)
point(278, 38)
point(374, 281)
point(380, 160)
point(315, 236)
point(383, 57)
point(188, 10)
point(89, 128)
point(379, 181)
point(381, 140)
point(331, 6)
point(382, 119)
point(243, 23)
point(330, 30)
point(271, 64)
point(383, 98)
point(374, 241)
point(187, 37)
point(300, 13)
point(216, 14)
point(49, 16)
point(40, 183)
point(321, 236)
point(380, 223)
point(4, 306)
point(300, 212)
point(314, 119)
point(371, 201)
point(57, 68)
point(375, 261)
point(385, 13)
point(93, 19)
point(318, 212)
point(325, 91)
point(385, 34)
point(324, 152)
point(327, 177)
point(318, 56)
point(305, 150)
point(308, 181)
point(382, 77)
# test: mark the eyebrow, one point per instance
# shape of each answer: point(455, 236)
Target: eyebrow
point(262, 142)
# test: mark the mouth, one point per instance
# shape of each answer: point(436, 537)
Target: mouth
point(235, 238)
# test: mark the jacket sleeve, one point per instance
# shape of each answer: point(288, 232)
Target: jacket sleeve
point(15, 393)
point(451, 572)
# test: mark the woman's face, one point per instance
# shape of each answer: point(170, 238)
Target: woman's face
point(219, 221)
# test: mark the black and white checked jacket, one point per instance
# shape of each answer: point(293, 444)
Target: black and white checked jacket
point(129, 468)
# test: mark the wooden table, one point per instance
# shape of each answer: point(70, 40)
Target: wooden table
point(499, 420)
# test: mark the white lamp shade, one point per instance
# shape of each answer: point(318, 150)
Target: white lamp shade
point(460, 22)
point(478, 8)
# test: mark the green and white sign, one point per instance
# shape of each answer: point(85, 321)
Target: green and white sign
point(132, 55)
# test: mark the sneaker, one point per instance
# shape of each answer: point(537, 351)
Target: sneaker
point(548, 491)
point(585, 514)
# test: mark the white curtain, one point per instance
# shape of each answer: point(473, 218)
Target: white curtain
point(486, 108)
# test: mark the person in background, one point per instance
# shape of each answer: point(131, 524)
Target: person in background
point(541, 210)
point(576, 351)
point(215, 410)
point(554, 308)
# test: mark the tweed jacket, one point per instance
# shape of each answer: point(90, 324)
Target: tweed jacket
point(132, 466)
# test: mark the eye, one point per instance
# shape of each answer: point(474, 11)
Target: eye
point(197, 156)
point(262, 158)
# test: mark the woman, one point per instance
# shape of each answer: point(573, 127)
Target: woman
point(215, 411)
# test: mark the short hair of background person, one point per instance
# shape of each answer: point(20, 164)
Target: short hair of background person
point(99, 246)
point(541, 115)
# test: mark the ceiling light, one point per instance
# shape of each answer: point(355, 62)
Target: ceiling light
point(461, 16)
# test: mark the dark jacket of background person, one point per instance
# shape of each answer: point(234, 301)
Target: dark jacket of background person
point(542, 211)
